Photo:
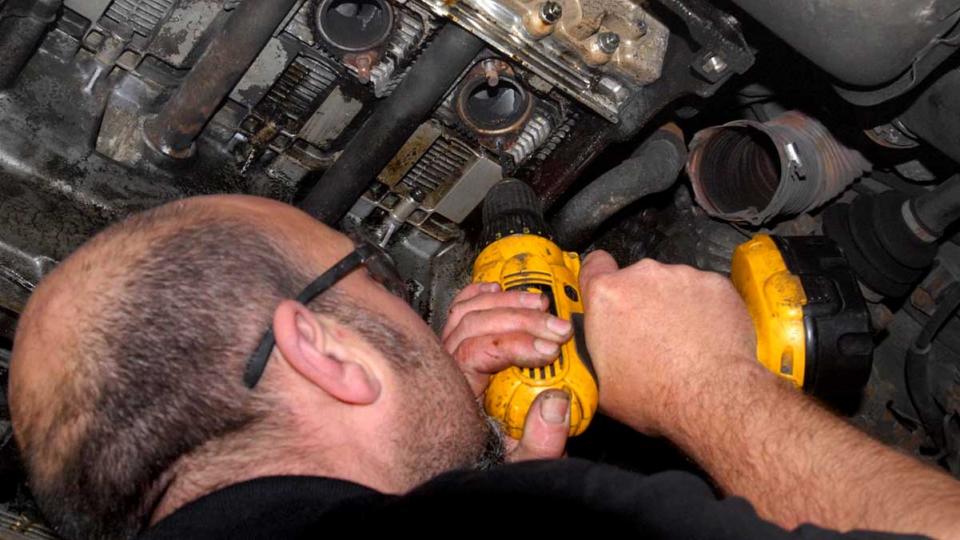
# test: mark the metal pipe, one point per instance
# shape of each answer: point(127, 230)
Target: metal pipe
point(753, 172)
point(392, 123)
point(938, 208)
point(231, 52)
point(23, 23)
point(652, 168)
point(860, 42)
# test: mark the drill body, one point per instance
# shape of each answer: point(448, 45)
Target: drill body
point(520, 256)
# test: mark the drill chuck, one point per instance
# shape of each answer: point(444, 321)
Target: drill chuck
point(511, 207)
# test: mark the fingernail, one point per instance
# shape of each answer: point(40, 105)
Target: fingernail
point(490, 287)
point(554, 407)
point(559, 326)
point(547, 348)
point(531, 300)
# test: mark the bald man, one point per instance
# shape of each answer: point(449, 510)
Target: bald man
point(173, 379)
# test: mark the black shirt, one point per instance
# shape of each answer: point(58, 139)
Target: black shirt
point(565, 497)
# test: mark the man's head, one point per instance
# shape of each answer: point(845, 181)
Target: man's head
point(127, 389)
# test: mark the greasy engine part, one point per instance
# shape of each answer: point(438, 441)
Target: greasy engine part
point(436, 160)
point(917, 373)
point(593, 50)
point(716, 51)
point(888, 46)
point(754, 172)
point(393, 122)
point(601, 53)
point(518, 254)
point(353, 26)
point(934, 115)
point(652, 168)
point(812, 323)
point(891, 239)
point(491, 102)
point(225, 61)
point(495, 104)
point(294, 110)
point(377, 50)
point(357, 31)
point(23, 24)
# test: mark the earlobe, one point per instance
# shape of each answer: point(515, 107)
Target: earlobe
point(321, 357)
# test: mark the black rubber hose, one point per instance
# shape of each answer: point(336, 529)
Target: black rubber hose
point(652, 168)
point(939, 208)
point(916, 369)
point(222, 65)
point(392, 123)
point(23, 23)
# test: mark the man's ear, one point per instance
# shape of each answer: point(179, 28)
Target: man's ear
point(320, 357)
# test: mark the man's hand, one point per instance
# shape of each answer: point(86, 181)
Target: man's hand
point(655, 331)
point(674, 349)
point(489, 330)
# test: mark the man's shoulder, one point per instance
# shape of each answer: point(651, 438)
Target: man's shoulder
point(268, 507)
point(566, 497)
point(297, 504)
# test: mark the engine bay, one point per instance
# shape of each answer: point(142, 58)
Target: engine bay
point(671, 129)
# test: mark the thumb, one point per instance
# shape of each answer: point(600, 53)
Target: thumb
point(546, 428)
point(596, 264)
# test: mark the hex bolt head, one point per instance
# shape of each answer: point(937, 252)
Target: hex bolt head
point(550, 12)
point(642, 27)
point(715, 64)
point(608, 42)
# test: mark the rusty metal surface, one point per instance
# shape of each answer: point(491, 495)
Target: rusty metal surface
point(410, 153)
point(222, 65)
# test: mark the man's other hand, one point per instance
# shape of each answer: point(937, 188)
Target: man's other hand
point(489, 330)
point(657, 334)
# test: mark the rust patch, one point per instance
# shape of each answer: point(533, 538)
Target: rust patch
point(411, 152)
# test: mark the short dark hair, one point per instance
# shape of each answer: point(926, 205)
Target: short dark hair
point(166, 352)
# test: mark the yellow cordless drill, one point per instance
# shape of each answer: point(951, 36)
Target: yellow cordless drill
point(812, 323)
point(519, 255)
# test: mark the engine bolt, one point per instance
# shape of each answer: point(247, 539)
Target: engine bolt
point(491, 70)
point(714, 64)
point(642, 27)
point(608, 42)
point(550, 12)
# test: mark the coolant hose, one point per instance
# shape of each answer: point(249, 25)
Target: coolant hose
point(652, 168)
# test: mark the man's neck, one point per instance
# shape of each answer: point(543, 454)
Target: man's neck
point(207, 471)
point(218, 465)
